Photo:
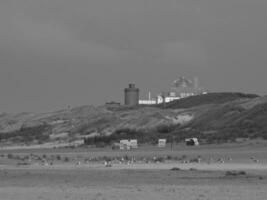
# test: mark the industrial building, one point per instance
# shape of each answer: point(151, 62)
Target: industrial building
point(149, 101)
point(181, 88)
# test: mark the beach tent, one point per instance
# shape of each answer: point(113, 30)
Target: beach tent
point(191, 141)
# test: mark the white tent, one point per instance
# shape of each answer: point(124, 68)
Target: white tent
point(191, 141)
point(162, 143)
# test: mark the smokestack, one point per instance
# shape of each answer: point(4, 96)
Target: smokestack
point(149, 96)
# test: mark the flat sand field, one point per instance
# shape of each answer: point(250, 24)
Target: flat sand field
point(239, 178)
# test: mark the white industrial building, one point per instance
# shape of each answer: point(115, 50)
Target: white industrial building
point(181, 88)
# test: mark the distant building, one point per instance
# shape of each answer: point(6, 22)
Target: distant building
point(131, 95)
point(128, 144)
point(134, 144)
point(166, 99)
point(148, 102)
point(181, 88)
point(125, 144)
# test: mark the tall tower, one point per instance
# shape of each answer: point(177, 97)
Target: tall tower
point(131, 95)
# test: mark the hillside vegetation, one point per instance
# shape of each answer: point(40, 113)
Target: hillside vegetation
point(215, 117)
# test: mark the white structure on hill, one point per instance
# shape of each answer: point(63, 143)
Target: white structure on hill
point(149, 101)
point(181, 88)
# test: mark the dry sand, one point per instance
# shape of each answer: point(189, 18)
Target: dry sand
point(153, 192)
point(151, 181)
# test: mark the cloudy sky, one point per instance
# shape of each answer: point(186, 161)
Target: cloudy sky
point(55, 53)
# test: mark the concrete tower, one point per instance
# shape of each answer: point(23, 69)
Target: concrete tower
point(131, 95)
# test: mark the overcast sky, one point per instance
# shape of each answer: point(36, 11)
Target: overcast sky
point(55, 53)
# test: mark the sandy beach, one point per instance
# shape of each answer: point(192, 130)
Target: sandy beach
point(243, 177)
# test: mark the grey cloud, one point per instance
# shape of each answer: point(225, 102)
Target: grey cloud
point(192, 52)
point(92, 43)
point(51, 39)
